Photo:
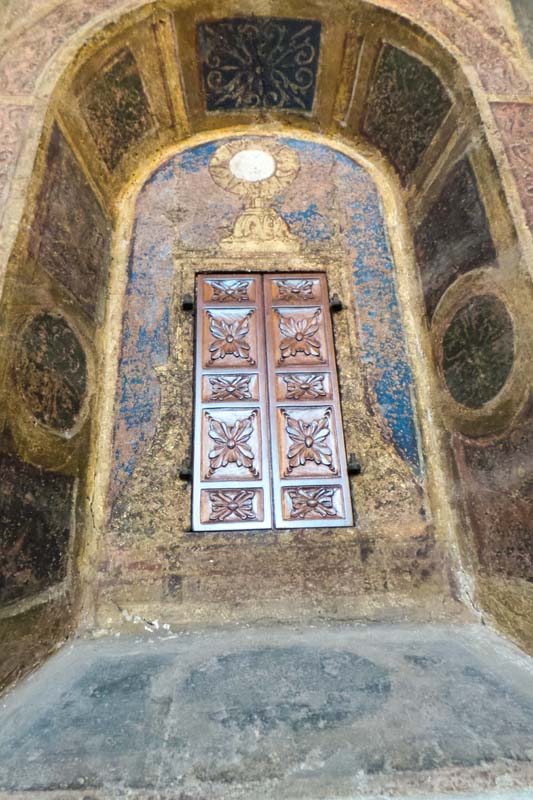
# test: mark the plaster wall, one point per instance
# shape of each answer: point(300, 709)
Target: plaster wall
point(151, 557)
point(457, 84)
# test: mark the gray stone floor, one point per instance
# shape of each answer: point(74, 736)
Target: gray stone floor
point(326, 711)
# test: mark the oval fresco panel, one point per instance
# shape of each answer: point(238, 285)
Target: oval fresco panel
point(51, 371)
point(478, 351)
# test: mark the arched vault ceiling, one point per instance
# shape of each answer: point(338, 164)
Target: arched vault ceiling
point(482, 32)
point(434, 96)
point(468, 45)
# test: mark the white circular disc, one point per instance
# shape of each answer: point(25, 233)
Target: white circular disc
point(252, 165)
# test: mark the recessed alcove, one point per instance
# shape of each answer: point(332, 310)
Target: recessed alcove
point(398, 193)
point(116, 112)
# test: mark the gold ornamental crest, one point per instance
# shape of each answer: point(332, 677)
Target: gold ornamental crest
point(256, 169)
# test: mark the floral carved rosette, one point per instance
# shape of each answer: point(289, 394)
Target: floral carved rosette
point(230, 337)
point(233, 387)
point(231, 444)
point(229, 505)
point(299, 335)
point(312, 502)
point(294, 290)
point(230, 291)
point(310, 442)
point(304, 387)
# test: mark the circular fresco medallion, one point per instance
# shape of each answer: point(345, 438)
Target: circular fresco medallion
point(252, 165)
point(478, 351)
point(254, 168)
point(51, 371)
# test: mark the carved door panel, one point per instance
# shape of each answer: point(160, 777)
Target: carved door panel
point(232, 483)
point(310, 477)
point(269, 446)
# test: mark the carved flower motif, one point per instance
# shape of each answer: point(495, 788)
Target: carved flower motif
point(309, 441)
point(229, 504)
point(312, 503)
point(231, 443)
point(236, 387)
point(304, 386)
point(295, 290)
point(226, 291)
point(299, 335)
point(230, 337)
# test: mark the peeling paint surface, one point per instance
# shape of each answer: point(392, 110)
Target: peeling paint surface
point(332, 200)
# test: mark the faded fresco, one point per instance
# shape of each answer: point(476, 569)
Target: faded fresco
point(497, 486)
point(454, 236)
point(70, 234)
point(116, 108)
point(478, 351)
point(442, 90)
point(51, 371)
point(405, 95)
point(35, 519)
point(332, 199)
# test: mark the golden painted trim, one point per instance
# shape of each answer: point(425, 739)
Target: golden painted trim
point(73, 128)
point(508, 182)
point(93, 515)
point(433, 159)
point(507, 604)
point(329, 68)
point(145, 50)
point(351, 49)
point(510, 23)
point(457, 147)
point(439, 481)
point(57, 592)
point(367, 60)
point(509, 98)
point(502, 230)
point(165, 35)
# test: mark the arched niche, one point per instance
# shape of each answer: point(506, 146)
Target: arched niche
point(140, 88)
point(336, 214)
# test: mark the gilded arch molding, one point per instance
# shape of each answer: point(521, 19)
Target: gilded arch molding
point(490, 110)
point(493, 59)
point(408, 289)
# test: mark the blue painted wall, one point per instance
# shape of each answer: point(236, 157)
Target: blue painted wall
point(332, 197)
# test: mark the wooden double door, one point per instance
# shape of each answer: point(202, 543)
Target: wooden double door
point(268, 442)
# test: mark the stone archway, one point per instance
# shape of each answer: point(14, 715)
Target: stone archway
point(134, 91)
point(176, 236)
